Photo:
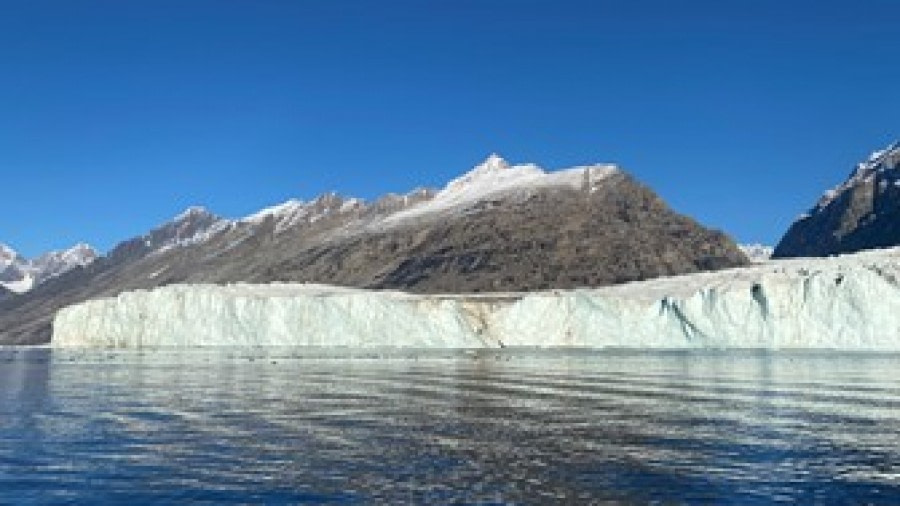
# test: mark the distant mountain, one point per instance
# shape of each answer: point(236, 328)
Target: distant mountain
point(193, 226)
point(861, 213)
point(757, 253)
point(55, 263)
point(18, 274)
point(498, 227)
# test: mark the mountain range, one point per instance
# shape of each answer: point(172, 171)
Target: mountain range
point(19, 274)
point(498, 227)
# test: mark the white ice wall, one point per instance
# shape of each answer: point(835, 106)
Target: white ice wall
point(194, 315)
point(850, 302)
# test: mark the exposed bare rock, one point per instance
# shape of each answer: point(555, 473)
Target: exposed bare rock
point(861, 213)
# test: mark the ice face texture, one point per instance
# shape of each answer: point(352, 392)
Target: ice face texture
point(850, 302)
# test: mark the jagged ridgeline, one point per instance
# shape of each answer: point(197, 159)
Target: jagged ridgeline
point(499, 227)
point(19, 274)
point(861, 213)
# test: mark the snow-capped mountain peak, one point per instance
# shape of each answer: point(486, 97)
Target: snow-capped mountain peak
point(7, 254)
point(192, 213)
point(492, 173)
point(492, 163)
point(55, 263)
point(19, 274)
point(495, 176)
point(193, 225)
point(878, 157)
point(877, 164)
point(81, 254)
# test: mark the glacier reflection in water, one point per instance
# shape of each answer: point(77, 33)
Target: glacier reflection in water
point(253, 425)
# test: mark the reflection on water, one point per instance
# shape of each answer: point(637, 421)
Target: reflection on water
point(531, 427)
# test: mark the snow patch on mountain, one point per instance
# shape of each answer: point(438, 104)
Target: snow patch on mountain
point(21, 285)
point(494, 178)
point(293, 212)
point(284, 214)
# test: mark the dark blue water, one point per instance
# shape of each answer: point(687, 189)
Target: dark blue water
point(317, 426)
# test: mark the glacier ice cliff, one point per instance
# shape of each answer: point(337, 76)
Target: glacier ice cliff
point(849, 302)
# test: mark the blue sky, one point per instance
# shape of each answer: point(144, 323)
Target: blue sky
point(115, 115)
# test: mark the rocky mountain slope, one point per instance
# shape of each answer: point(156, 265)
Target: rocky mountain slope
point(861, 213)
point(499, 227)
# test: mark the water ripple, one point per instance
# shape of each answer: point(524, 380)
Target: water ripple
point(298, 426)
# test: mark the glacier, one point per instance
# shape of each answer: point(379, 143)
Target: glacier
point(849, 302)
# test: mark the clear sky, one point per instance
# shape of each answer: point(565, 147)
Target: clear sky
point(115, 115)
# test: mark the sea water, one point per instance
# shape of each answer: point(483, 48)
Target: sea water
point(319, 425)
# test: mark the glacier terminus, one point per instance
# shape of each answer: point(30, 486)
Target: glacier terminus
point(846, 302)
